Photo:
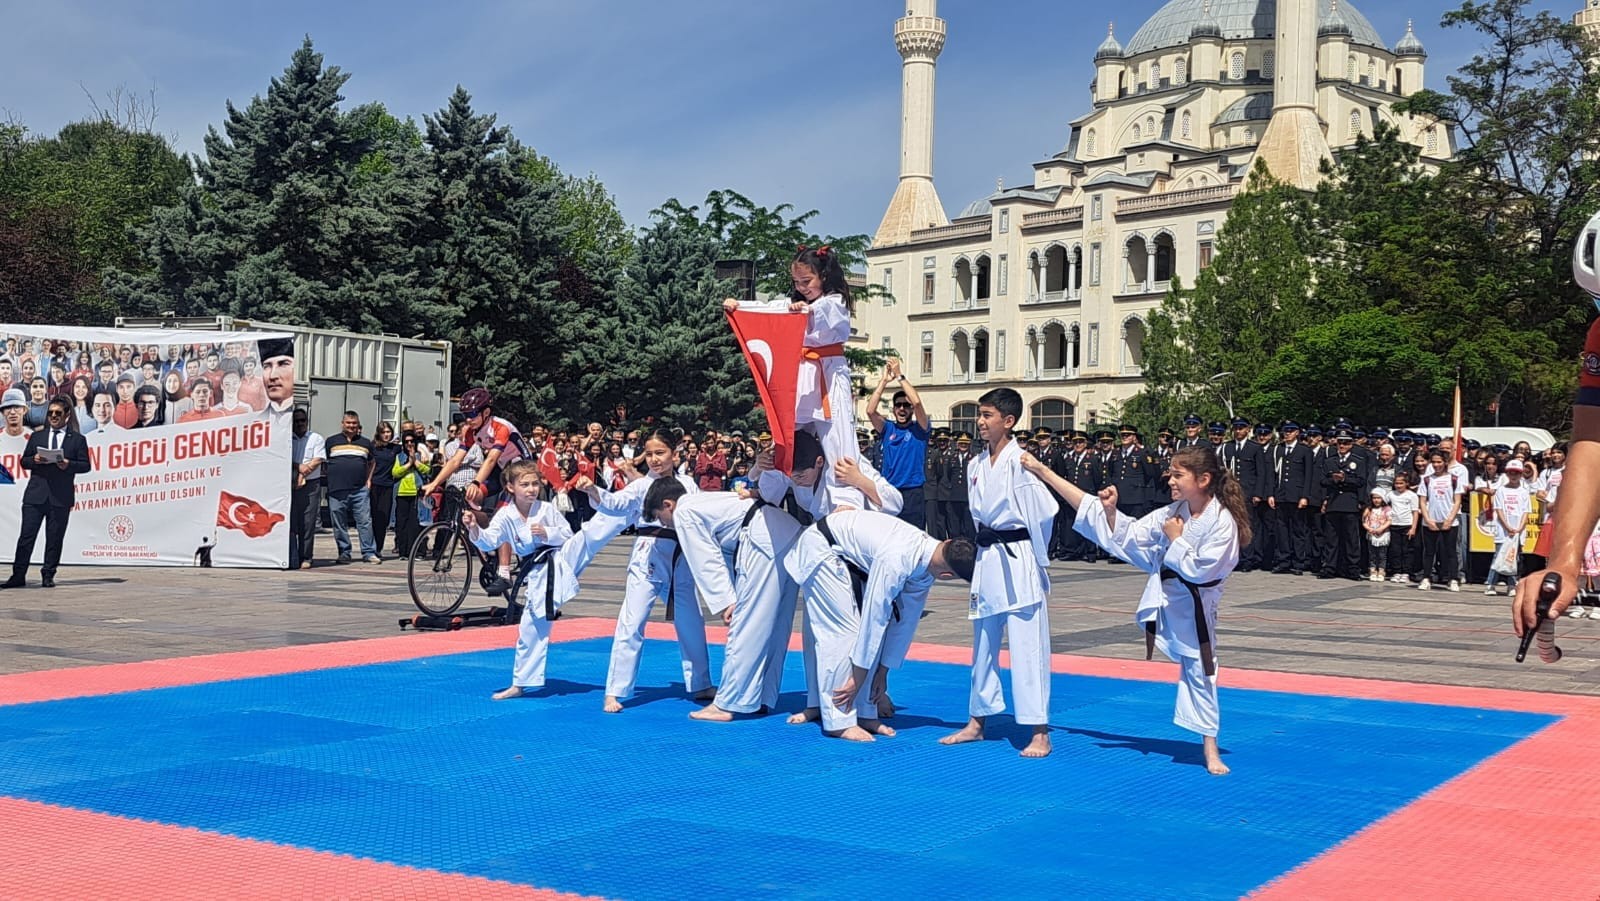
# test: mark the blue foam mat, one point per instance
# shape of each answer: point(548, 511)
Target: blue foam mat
point(412, 763)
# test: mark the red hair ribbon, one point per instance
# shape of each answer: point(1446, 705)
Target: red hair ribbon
point(823, 250)
point(801, 249)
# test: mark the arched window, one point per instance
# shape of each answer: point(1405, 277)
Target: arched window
point(1355, 123)
point(1155, 76)
point(1088, 144)
point(1133, 345)
point(1180, 71)
point(1433, 140)
point(964, 418)
point(1136, 131)
point(1053, 414)
point(1350, 68)
point(1249, 136)
point(1269, 63)
point(1188, 125)
point(1150, 127)
point(1372, 73)
point(1236, 66)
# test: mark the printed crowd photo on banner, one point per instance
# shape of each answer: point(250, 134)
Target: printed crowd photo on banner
point(189, 441)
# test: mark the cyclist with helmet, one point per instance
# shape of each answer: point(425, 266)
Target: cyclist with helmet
point(1578, 506)
point(501, 445)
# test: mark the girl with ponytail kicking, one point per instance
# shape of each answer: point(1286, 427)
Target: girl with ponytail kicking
point(1188, 547)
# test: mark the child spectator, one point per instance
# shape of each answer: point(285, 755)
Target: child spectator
point(1402, 529)
point(1377, 521)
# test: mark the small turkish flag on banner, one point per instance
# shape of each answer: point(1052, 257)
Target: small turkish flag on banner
point(772, 344)
point(244, 514)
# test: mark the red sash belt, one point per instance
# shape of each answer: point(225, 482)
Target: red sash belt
point(816, 354)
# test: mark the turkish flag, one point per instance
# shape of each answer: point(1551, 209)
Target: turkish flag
point(244, 514)
point(772, 344)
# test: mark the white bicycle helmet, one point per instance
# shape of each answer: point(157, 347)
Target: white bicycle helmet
point(1583, 259)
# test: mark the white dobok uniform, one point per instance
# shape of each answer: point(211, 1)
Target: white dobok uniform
point(717, 529)
point(1010, 586)
point(817, 502)
point(1207, 551)
point(508, 526)
point(827, 324)
point(895, 557)
point(653, 574)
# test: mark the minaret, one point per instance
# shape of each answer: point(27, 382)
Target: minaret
point(919, 37)
point(1294, 145)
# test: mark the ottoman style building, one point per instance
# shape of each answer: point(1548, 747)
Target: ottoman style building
point(1046, 287)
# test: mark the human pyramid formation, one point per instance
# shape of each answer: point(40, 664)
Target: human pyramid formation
point(826, 531)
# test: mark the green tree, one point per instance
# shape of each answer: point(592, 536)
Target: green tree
point(1252, 299)
point(278, 227)
point(1367, 365)
point(1526, 111)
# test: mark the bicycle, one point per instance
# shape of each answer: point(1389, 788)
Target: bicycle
point(442, 560)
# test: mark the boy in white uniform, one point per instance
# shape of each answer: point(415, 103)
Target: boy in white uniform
point(807, 495)
point(1014, 514)
point(755, 596)
point(527, 525)
point(901, 562)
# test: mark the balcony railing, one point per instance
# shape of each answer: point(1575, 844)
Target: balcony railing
point(1071, 215)
point(978, 229)
point(1175, 200)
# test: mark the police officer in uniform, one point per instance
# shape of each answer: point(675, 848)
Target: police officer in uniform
point(933, 489)
point(1242, 457)
point(1261, 508)
point(1345, 483)
point(1192, 437)
point(958, 517)
point(1290, 502)
point(1135, 472)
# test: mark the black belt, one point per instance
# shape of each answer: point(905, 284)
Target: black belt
point(990, 537)
point(1203, 632)
point(544, 554)
point(662, 533)
point(858, 576)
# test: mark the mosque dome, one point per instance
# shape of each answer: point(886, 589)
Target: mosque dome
point(1409, 44)
point(1174, 24)
point(1333, 22)
point(1109, 48)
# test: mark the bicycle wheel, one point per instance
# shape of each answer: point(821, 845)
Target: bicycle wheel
point(440, 569)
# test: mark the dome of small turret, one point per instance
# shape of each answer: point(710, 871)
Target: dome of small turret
point(1109, 48)
point(1409, 44)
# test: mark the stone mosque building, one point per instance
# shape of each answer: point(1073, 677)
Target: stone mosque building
point(1046, 287)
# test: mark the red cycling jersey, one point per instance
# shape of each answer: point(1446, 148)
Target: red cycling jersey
point(497, 434)
point(1589, 377)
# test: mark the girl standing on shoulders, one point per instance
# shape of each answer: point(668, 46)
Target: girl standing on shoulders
point(825, 402)
point(1188, 547)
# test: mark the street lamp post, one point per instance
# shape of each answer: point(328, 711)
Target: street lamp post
point(1225, 395)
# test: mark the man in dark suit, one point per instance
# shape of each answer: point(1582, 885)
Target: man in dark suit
point(48, 498)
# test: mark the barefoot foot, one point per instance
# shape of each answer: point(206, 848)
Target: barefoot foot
point(506, 694)
point(706, 694)
point(877, 727)
point(853, 733)
point(1040, 745)
point(712, 714)
point(612, 705)
point(1214, 764)
point(972, 731)
point(808, 715)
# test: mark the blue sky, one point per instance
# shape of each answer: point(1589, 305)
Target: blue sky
point(787, 103)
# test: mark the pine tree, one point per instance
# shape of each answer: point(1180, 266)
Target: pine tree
point(277, 228)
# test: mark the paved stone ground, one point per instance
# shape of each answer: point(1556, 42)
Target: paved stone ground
point(1278, 623)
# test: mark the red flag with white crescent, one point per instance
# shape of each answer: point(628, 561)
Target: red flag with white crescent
point(245, 514)
point(772, 344)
